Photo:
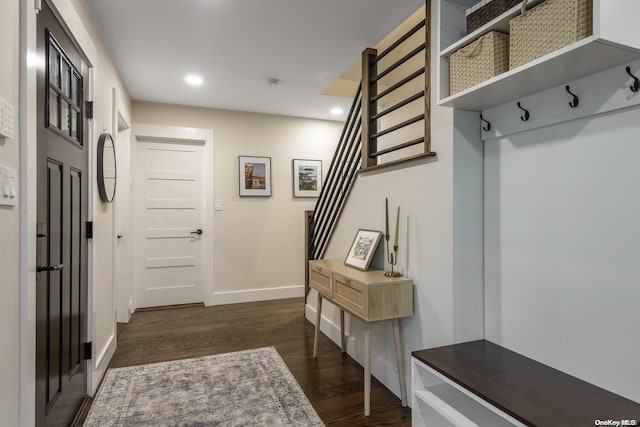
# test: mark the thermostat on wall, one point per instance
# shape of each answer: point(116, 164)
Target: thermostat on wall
point(6, 119)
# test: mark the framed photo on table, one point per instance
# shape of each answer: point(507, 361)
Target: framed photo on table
point(254, 176)
point(307, 178)
point(362, 249)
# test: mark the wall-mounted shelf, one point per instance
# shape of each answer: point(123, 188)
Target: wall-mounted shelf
point(615, 41)
point(500, 23)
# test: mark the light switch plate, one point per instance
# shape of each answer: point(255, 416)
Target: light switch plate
point(8, 186)
point(218, 205)
point(7, 122)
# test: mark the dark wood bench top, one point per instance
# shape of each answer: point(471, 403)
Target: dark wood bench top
point(529, 391)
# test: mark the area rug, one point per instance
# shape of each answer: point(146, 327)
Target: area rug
point(245, 388)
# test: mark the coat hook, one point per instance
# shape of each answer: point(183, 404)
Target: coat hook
point(575, 101)
point(636, 83)
point(526, 113)
point(486, 128)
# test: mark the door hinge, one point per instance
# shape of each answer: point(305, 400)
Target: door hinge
point(89, 230)
point(87, 351)
point(89, 110)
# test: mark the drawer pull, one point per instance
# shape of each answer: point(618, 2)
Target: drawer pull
point(347, 282)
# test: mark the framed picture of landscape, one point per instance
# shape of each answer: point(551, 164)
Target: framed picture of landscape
point(307, 178)
point(254, 176)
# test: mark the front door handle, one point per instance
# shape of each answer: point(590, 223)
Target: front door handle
point(198, 232)
point(42, 268)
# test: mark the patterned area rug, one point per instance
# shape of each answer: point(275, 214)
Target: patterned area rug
point(245, 388)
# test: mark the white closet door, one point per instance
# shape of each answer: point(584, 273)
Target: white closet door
point(170, 223)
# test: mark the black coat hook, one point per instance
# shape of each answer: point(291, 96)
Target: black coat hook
point(575, 101)
point(486, 128)
point(526, 113)
point(636, 83)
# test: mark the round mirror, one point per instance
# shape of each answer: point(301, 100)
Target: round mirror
point(106, 168)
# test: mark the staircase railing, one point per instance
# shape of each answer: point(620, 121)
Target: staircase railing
point(373, 92)
point(340, 177)
point(359, 148)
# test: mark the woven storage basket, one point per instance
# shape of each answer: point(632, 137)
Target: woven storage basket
point(547, 27)
point(479, 61)
point(485, 11)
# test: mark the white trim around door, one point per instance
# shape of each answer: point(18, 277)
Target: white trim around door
point(157, 133)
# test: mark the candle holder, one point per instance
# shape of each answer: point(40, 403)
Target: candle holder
point(392, 258)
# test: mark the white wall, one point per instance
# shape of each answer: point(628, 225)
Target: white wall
point(258, 242)
point(440, 240)
point(9, 226)
point(561, 251)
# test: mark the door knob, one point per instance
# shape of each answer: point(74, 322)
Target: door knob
point(198, 232)
point(42, 268)
point(119, 236)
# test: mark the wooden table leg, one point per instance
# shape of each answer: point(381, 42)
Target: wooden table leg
point(317, 334)
point(367, 369)
point(397, 338)
point(343, 338)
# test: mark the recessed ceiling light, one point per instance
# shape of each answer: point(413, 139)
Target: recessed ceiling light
point(273, 81)
point(193, 80)
point(337, 111)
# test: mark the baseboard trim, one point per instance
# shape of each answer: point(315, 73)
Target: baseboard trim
point(383, 370)
point(251, 295)
point(169, 307)
point(102, 361)
point(82, 413)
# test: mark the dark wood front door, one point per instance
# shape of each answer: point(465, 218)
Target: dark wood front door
point(62, 279)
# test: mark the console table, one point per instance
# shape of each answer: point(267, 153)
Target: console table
point(369, 296)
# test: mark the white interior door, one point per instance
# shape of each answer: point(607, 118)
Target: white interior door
point(123, 275)
point(170, 222)
point(122, 212)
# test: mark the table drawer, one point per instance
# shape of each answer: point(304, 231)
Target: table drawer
point(351, 294)
point(320, 280)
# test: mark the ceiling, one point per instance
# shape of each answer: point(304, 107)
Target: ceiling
point(236, 45)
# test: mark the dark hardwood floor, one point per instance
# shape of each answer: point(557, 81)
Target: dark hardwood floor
point(333, 382)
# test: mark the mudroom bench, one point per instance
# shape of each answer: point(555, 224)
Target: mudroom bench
point(482, 384)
